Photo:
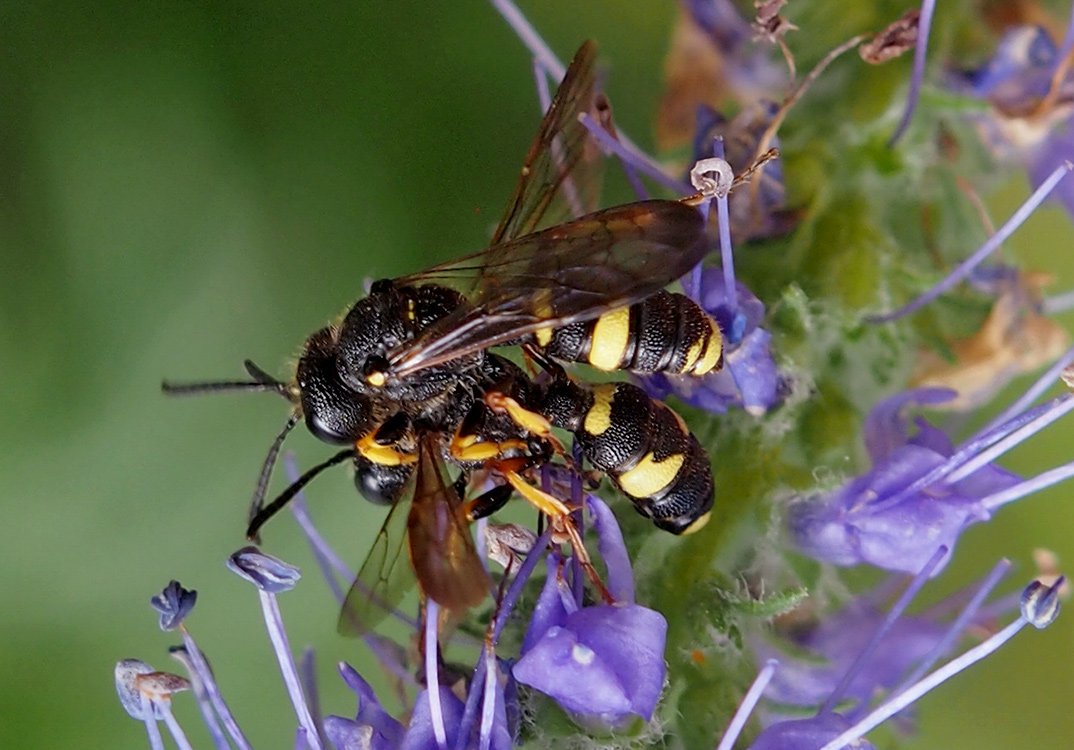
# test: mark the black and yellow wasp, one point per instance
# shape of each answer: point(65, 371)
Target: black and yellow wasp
point(409, 383)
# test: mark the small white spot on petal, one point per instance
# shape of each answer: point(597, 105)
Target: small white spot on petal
point(583, 655)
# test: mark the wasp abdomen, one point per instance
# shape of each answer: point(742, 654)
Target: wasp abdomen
point(663, 333)
point(642, 445)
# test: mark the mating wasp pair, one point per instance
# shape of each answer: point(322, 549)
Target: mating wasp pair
point(409, 381)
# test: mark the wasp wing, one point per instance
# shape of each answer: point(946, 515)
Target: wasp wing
point(438, 543)
point(567, 273)
point(441, 549)
point(383, 580)
point(560, 175)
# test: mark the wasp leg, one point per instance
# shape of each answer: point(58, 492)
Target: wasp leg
point(487, 503)
point(383, 454)
point(530, 421)
point(559, 515)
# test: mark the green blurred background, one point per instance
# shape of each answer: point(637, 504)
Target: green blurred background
point(185, 185)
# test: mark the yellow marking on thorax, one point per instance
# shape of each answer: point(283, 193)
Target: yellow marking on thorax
point(611, 334)
point(543, 336)
point(376, 379)
point(599, 417)
point(650, 476)
point(711, 357)
point(699, 523)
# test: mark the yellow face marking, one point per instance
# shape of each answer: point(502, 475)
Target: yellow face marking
point(599, 416)
point(698, 524)
point(711, 357)
point(650, 476)
point(611, 334)
point(691, 356)
point(384, 455)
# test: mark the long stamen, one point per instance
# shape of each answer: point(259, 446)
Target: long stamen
point(749, 702)
point(924, 25)
point(1028, 487)
point(1043, 383)
point(727, 255)
point(271, 576)
point(963, 269)
point(888, 709)
point(958, 625)
point(432, 673)
point(886, 624)
point(488, 704)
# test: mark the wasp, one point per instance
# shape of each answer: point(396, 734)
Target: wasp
point(411, 380)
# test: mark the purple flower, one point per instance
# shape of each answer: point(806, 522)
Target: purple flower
point(1032, 117)
point(921, 492)
point(372, 727)
point(603, 665)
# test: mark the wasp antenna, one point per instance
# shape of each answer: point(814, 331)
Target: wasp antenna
point(261, 376)
point(288, 494)
point(266, 468)
point(215, 386)
point(262, 381)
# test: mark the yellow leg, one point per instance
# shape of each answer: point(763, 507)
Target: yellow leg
point(559, 515)
point(471, 448)
point(530, 421)
point(385, 455)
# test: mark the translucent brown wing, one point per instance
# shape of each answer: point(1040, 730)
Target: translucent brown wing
point(560, 175)
point(441, 548)
point(571, 272)
point(439, 545)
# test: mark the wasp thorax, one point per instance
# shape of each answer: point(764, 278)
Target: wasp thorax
point(334, 412)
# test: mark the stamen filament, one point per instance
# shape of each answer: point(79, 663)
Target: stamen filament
point(1028, 487)
point(958, 625)
point(432, 673)
point(176, 731)
point(205, 673)
point(632, 156)
point(274, 624)
point(924, 25)
point(723, 218)
point(488, 704)
point(1043, 383)
point(886, 624)
point(963, 269)
point(150, 720)
point(907, 698)
point(749, 702)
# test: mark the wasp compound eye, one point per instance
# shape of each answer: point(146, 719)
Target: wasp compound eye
point(334, 412)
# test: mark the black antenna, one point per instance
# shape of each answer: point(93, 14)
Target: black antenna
point(288, 494)
point(266, 468)
point(261, 381)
